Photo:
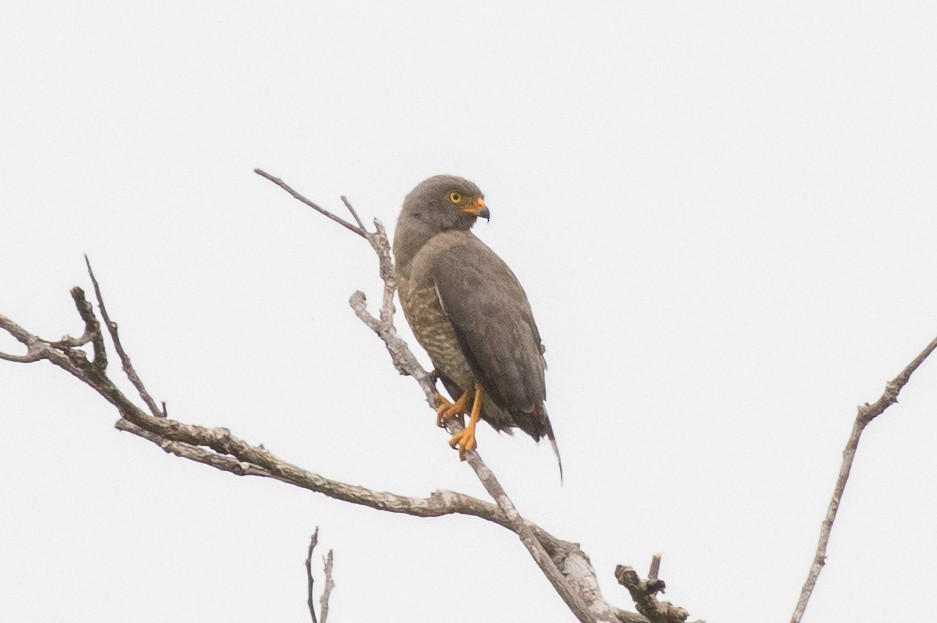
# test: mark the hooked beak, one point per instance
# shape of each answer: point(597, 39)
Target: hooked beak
point(478, 209)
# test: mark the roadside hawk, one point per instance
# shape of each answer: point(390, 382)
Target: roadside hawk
point(470, 313)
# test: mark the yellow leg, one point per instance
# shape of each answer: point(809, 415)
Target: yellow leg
point(465, 440)
point(448, 410)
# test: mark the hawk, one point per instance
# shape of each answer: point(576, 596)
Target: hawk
point(470, 313)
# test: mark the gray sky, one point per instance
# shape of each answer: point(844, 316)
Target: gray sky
point(723, 214)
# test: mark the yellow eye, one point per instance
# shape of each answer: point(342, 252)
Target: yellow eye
point(455, 197)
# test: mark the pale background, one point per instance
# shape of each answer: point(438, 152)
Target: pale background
point(723, 214)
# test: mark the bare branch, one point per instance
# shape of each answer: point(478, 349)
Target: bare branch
point(24, 337)
point(655, 566)
point(309, 581)
point(643, 592)
point(35, 345)
point(194, 452)
point(68, 347)
point(381, 245)
point(92, 333)
point(27, 358)
point(354, 214)
point(21, 335)
point(403, 358)
point(559, 559)
point(866, 414)
point(124, 358)
point(534, 547)
point(327, 590)
point(322, 211)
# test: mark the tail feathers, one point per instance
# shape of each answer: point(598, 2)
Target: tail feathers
point(537, 425)
point(556, 451)
point(548, 431)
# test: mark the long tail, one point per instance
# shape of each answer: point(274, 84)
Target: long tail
point(552, 438)
point(556, 451)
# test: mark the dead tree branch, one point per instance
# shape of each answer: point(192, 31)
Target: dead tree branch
point(327, 590)
point(115, 338)
point(644, 594)
point(866, 413)
point(310, 582)
point(359, 229)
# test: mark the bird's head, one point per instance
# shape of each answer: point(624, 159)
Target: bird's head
point(449, 202)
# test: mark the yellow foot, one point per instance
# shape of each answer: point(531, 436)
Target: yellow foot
point(448, 410)
point(465, 439)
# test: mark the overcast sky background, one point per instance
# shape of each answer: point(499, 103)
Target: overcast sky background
point(723, 215)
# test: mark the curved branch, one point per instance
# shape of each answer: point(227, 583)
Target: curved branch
point(22, 336)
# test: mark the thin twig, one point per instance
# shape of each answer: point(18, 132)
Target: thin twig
point(92, 333)
point(866, 414)
point(36, 345)
point(354, 214)
point(309, 580)
point(357, 230)
point(22, 336)
point(327, 589)
point(125, 362)
point(27, 358)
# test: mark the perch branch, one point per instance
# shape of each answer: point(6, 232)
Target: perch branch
point(866, 413)
point(519, 526)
